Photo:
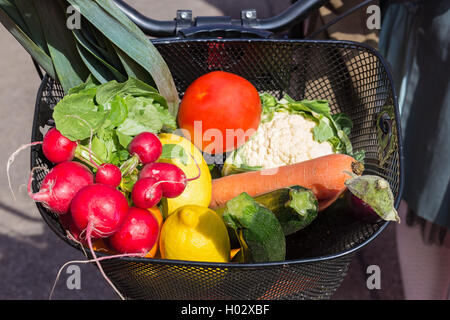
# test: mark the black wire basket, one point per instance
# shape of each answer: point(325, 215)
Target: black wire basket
point(354, 78)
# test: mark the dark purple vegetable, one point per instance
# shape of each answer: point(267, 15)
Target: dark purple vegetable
point(361, 210)
point(370, 199)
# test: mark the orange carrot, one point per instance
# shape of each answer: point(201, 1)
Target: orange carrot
point(157, 214)
point(325, 176)
point(325, 203)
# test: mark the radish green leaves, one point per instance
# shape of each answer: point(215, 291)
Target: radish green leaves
point(112, 114)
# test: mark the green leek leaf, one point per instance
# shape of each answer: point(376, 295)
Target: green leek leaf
point(41, 57)
point(94, 61)
point(98, 71)
point(133, 69)
point(31, 18)
point(68, 64)
point(119, 29)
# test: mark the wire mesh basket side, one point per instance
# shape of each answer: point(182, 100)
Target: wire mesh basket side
point(353, 79)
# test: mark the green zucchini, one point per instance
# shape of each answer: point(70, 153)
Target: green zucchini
point(258, 231)
point(294, 207)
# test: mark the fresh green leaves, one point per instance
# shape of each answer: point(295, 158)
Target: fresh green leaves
point(118, 111)
point(343, 121)
point(132, 87)
point(106, 145)
point(144, 114)
point(112, 114)
point(137, 50)
point(323, 131)
point(77, 116)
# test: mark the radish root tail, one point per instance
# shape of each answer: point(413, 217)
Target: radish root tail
point(89, 241)
point(149, 192)
point(11, 161)
point(198, 168)
point(90, 261)
point(71, 237)
point(88, 230)
point(31, 179)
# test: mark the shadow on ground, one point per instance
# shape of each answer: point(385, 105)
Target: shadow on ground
point(30, 263)
point(381, 252)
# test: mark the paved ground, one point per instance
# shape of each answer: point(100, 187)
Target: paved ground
point(30, 254)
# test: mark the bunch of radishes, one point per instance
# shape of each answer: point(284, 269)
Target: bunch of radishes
point(92, 205)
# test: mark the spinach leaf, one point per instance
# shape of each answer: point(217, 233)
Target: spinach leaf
point(77, 115)
point(142, 116)
point(89, 84)
point(118, 112)
point(132, 87)
point(124, 139)
point(169, 122)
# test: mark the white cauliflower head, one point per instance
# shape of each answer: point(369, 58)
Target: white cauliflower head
point(285, 139)
point(291, 132)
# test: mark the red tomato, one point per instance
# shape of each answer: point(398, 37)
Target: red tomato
point(221, 111)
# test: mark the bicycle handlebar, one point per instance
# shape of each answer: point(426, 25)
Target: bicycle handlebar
point(297, 12)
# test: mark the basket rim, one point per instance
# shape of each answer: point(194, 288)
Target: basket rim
point(210, 265)
point(46, 216)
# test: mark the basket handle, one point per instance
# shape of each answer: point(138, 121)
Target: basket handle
point(296, 13)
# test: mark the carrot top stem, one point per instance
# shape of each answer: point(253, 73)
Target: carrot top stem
point(357, 168)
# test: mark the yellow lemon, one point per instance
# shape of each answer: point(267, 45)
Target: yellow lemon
point(195, 233)
point(198, 191)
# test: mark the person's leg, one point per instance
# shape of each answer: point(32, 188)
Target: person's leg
point(425, 269)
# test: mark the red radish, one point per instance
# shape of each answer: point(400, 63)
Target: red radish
point(65, 220)
point(138, 233)
point(108, 174)
point(76, 233)
point(146, 193)
point(146, 146)
point(175, 177)
point(99, 211)
point(100, 207)
point(57, 148)
point(61, 184)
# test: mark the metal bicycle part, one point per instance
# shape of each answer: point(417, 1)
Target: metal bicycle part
point(298, 11)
